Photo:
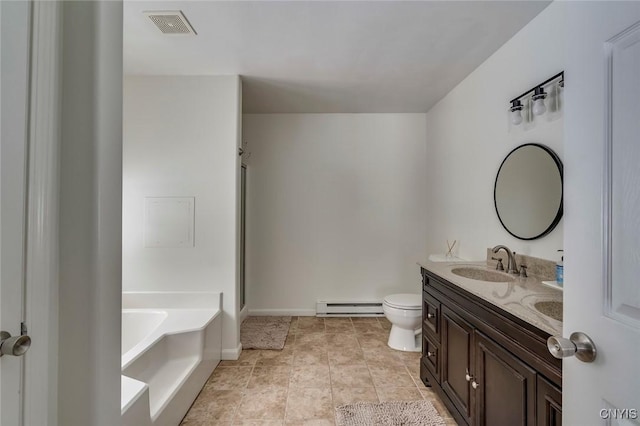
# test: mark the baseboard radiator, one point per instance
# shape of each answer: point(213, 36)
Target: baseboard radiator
point(331, 308)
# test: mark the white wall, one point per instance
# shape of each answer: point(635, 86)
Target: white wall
point(181, 138)
point(335, 208)
point(468, 137)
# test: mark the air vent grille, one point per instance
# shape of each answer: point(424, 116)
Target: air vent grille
point(171, 22)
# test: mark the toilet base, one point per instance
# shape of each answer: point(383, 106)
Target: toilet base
point(402, 339)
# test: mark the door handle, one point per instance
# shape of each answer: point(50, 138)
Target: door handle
point(16, 345)
point(578, 344)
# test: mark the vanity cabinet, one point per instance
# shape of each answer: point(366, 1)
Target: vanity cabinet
point(489, 367)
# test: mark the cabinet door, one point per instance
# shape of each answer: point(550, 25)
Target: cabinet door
point(549, 404)
point(504, 386)
point(457, 352)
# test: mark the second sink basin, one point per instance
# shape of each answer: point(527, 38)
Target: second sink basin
point(482, 274)
point(550, 308)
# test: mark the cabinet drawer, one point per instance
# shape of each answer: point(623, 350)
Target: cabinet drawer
point(431, 316)
point(431, 356)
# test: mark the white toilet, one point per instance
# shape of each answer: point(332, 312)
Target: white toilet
point(404, 311)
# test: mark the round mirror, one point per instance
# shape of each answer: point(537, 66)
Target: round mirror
point(528, 191)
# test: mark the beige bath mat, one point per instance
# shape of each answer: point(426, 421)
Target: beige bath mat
point(264, 332)
point(394, 413)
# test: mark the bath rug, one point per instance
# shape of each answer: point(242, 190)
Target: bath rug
point(393, 413)
point(264, 332)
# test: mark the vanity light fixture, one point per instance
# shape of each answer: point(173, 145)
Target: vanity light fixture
point(537, 95)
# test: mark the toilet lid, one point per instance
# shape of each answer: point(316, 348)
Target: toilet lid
point(404, 301)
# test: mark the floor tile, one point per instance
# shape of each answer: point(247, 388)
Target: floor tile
point(310, 376)
point(339, 325)
point(309, 341)
point(326, 362)
point(258, 423)
point(372, 341)
point(269, 376)
point(364, 320)
point(283, 357)
point(247, 358)
point(368, 328)
point(410, 358)
point(229, 378)
point(329, 421)
point(351, 395)
point(356, 376)
point(309, 403)
point(391, 376)
point(346, 357)
point(342, 341)
point(308, 325)
point(385, 323)
point(382, 357)
point(263, 404)
point(398, 394)
point(311, 357)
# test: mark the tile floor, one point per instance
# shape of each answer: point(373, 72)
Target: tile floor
point(326, 362)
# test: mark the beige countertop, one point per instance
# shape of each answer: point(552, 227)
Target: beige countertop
point(516, 297)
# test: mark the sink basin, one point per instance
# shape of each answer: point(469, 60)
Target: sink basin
point(552, 309)
point(482, 275)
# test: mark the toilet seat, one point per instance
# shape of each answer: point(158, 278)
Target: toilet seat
point(409, 302)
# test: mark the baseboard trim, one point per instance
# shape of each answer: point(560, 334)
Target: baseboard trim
point(287, 312)
point(231, 354)
point(244, 313)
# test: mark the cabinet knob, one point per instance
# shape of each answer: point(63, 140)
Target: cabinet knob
point(474, 384)
point(430, 315)
point(468, 377)
point(430, 354)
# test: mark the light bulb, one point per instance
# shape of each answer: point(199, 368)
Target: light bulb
point(539, 107)
point(516, 111)
point(516, 117)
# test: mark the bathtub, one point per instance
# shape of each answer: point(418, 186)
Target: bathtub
point(171, 342)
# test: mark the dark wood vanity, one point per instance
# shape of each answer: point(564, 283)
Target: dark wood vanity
point(488, 366)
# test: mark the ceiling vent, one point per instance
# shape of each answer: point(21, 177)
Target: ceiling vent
point(171, 22)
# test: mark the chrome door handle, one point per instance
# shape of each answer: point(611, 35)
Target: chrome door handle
point(16, 345)
point(578, 344)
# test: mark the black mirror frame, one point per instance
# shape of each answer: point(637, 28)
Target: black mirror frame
point(558, 216)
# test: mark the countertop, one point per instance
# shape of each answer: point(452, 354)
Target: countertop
point(516, 297)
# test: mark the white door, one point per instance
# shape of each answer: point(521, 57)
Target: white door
point(13, 159)
point(602, 205)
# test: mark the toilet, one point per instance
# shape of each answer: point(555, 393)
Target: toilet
point(404, 311)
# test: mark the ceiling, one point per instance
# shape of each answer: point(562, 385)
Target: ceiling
point(327, 56)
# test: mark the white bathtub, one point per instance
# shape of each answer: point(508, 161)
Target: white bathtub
point(171, 342)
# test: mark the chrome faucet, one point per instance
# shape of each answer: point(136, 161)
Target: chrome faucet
point(512, 268)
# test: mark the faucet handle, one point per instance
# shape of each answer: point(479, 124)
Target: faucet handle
point(523, 271)
point(499, 266)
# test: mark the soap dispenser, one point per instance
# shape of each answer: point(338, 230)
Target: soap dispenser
point(560, 270)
